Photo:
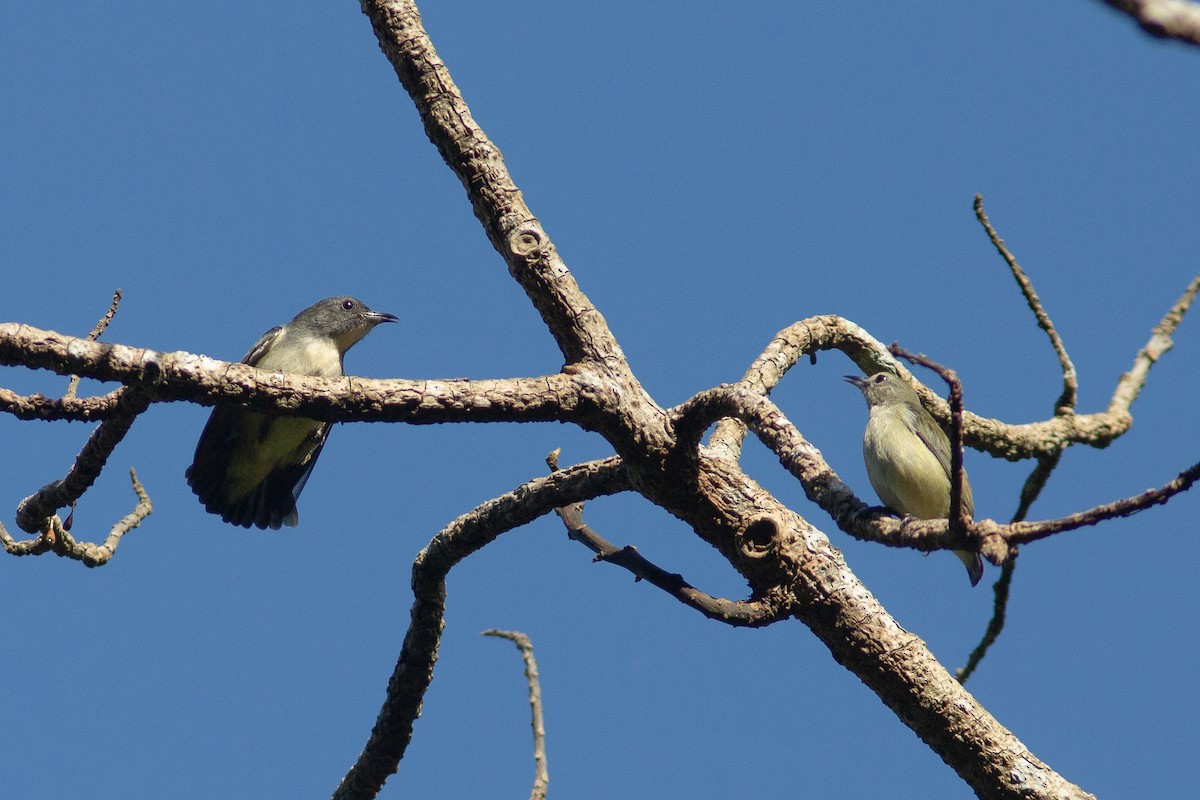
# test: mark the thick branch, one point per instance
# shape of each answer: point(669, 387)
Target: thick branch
point(1165, 19)
point(186, 376)
point(894, 663)
point(578, 328)
point(517, 235)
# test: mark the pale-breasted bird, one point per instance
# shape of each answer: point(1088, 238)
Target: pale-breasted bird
point(908, 456)
point(250, 466)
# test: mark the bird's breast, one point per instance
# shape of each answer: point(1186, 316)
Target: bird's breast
point(905, 475)
point(317, 356)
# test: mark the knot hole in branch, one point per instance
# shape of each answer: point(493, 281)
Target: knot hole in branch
point(525, 242)
point(760, 537)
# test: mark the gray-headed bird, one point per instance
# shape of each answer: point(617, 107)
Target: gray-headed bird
point(908, 456)
point(250, 466)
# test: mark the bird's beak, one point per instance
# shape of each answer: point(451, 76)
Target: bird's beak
point(376, 317)
point(858, 381)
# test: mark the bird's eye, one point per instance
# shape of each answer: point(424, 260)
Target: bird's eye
point(347, 304)
point(880, 378)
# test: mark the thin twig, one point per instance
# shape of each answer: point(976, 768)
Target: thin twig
point(996, 624)
point(1064, 406)
point(1024, 532)
point(961, 520)
point(541, 778)
point(1070, 394)
point(93, 335)
point(1130, 384)
point(1127, 390)
point(738, 613)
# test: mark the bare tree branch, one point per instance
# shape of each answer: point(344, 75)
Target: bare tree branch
point(996, 624)
point(1025, 532)
point(1130, 384)
point(827, 490)
point(743, 613)
point(721, 503)
point(541, 778)
point(34, 511)
point(200, 379)
point(577, 326)
point(462, 537)
point(38, 406)
point(1070, 394)
point(92, 336)
point(1123, 397)
point(782, 555)
point(512, 228)
point(1164, 19)
point(1009, 441)
point(55, 538)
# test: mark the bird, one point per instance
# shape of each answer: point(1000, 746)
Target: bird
point(907, 456)
point(250, 466)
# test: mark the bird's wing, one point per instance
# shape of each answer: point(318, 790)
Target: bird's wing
point(214, 451)
point(262, 346)
point(206, 475)
point(935, 439)
point(931, 434)
point(273, 502)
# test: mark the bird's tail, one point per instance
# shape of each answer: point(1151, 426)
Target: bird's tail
point(973, 563)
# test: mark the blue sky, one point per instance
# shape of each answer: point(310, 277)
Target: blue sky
point(710, 175)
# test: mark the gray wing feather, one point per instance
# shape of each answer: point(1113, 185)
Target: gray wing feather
point(261, 346)
point(935, 439)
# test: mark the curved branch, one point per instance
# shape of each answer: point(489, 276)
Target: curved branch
point(56, 539)
point(1042, 439)
point(34, 512)
point(1070, 394)
point(462, 537)
point(822, 485)
point(806, 337)
point(541, 779)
